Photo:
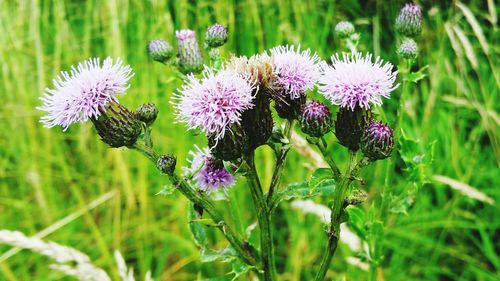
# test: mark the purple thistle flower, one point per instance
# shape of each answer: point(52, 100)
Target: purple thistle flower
point(316, 120)
point(296, 71)
point(83, 92)
point(215, 102)
point(209, 173)
point(357, 81)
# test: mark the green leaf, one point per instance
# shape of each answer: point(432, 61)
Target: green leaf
point(166, 190)
point(239, 268)
point(357, 221)
point(417, 76)
point(302, 190)
point(319, 176)
point(401, 203)
point(418, 159)
point(197, 230)
point(223, 255)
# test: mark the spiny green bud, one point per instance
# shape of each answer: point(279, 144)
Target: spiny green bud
point(160, 50)
point(189, 53)
point(231, 146)
point(316, 120)
point(409, 20)
point(350, 126)
point(377, 141)
point(344, 29)
point(147, 113)
point(166, 163)
point(288, 108)
point(216, 36)
point(408, 49)
point(117, 126)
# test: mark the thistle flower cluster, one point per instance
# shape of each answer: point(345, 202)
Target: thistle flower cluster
point(344, 29)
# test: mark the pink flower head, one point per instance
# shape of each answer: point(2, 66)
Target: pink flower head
point(215, 102)
point(209, 173)
point(297, 71)
point(83, 92)
point(357, 81)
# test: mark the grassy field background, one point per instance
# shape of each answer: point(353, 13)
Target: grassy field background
point(52, 179)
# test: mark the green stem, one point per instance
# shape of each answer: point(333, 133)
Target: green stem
point(337, 211)
point(243, 248)
point(337, 175)
point(264, 219)
point(280, 161)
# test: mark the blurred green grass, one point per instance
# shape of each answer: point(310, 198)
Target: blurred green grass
point(46, 175)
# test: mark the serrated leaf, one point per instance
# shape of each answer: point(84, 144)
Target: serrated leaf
point(417, 76)
point(166, 190)
point(319, 176)
point(301, 190)
point(401, 203)
point(223, 255)
point(197, 230)
point(418, 160)
point(357, 221)
point(239, 268)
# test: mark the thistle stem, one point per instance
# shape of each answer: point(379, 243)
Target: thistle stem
point(337, 175)
point(264, 219)
point(280, 161)
point(337, 211)
point(244, 249)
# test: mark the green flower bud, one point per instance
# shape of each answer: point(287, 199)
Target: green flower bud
point(408, 49)
point(189, 53)
point(160, 50)
point(409, 20)
point(344, 29)
point(216, 36)
point(166, 163)
point(117, 126)
point(147, 113)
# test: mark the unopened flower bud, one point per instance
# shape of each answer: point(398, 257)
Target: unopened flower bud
point(408, 49)
point(377, 141)
point(189, 53)
point(147, 113)
point(216, 36)
point(350, 126)
point(344, 29)
point(160, 50)
point(166, 163)
point(231, 146)
point(409, 20)
point(117, 126)
point(316, 119)
point(288, 108)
